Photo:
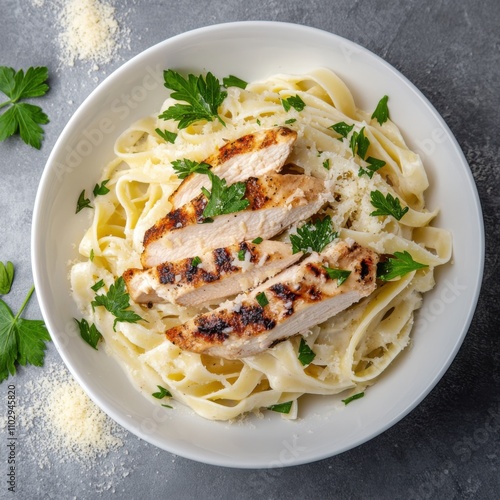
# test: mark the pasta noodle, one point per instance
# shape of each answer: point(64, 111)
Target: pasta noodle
point(353, 348)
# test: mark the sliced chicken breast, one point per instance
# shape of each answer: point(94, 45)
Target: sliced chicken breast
point(298, 298)
point(219, 274)
point(275, 202)
point(252, 155)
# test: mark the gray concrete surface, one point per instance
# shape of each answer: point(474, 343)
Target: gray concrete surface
point(449, 446)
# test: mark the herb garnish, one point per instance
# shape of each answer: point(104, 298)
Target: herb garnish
point(117, 301)
point(20, 116)
point(294, 102)
point(234, 81)
point(281, 407)
point(399, 265)
point(101, 189)
point(374, 164)
point(290, 121)
point(82, 202)
point(342, 129)
point(162, 393)
point(224, 199)
point(353, 397)
point(313, 236)
point(326, 164)
point(381, 113)
point(6, 277)
point(166, 135)
point(195, 262)
point(388, 205)
point(337, 274)
point(306, 354)
point(98, 285)
point(186, 167)
point(202, 96)
point(241, 254)
point(262, 299)
point(89, 333)
point(22, 341)
point(359, 143)
point(257, 240)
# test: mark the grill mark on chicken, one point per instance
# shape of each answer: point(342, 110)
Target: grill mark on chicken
point(256, 154)
point(299, 298)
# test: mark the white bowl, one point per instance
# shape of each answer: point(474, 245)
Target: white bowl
point(254, 50)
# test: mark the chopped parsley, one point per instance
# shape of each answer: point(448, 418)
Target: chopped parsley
point(117, 302)
point(195, 262)
point(313, 236)
point(202, 98)
point(337, 274)
point(262, 299)
point(98, 285)
point(359, 143)
point(234, 81)
point(306, 354)
point(281, 407)
point(399, 265)
point(241, 254)
point(353, 397)
point(294, 102)
point(6, 277)
point(257, 240)
point(342, 129)
point(185, 167)
point(166, 135)
point(387, 205)
point(91, 256)
point(381, 113)
point(374, 164)
point(101, 189)
point(82, 202)
point(223, 199)
point(162, 393)
point(89, 333)
point(290, 121)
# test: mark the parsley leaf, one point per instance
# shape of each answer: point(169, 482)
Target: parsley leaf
point(294, 102)
point(388, 205)
point(183, 168)
point(82, 202)
point(381, 113)
point(234, 81)
point(262, 299)
point(326, 164)
point(396, 266)
point(202, 95)
point(241, 254)
point(342, 129)
point(101, 189)
point(306, 354)
point(374, 164)
point(337, 274)
point(6, 277)
point(117, 301)
point(257, 240)
point(313, 236)
point(359, 143)
point(23, 117)
point(89, 333)
point(353, 397)
point(290, 121)
point(167, 135)
point(162, 393)
point(195, 261)
point(22, 341)
point(281, 407)
point(224, 199)
point(98, 285)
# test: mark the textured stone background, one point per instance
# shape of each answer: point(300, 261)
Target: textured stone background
point(448, 447)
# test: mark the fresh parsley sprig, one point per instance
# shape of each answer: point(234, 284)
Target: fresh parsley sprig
point(117, 302)
point(399, 265)
point(22, 341)
point(22, 117)
point(387, 205)
point(202, 96)
point(185, 167)
point(223, 199)
point(313, 236)
point(6, 277)
point(381, 113)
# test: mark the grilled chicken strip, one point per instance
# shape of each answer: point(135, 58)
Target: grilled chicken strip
point(221, 273)
point(252, 155)
point(298, 298)
point(275, 202)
